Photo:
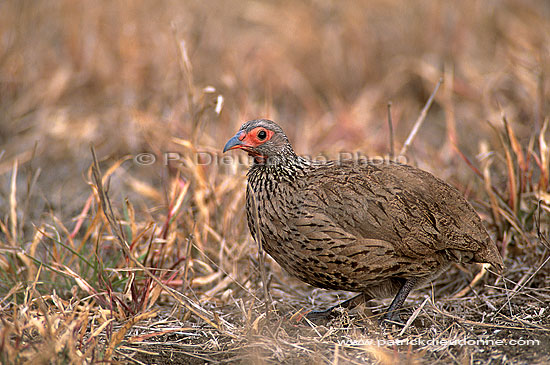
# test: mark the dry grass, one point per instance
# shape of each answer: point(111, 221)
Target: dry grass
point(145, 263)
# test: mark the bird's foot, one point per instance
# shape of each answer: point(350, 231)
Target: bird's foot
point(333, 312)
point(322, 316)
point(391, 318)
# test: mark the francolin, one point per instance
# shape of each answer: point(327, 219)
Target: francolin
point(379, 229)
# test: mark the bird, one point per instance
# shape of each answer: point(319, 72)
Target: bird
point(376, 229)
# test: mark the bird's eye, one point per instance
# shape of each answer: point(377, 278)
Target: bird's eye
point(261, 135)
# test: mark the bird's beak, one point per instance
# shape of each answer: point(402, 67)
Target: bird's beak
point(234, 142)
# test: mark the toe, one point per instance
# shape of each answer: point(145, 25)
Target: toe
point(320, 316)
point(392, 317)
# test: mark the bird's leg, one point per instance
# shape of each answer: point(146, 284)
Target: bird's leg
point(392, 313)
point(328, 313)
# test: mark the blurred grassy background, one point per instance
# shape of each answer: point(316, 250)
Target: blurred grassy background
point(131, 77)
point(72, 72)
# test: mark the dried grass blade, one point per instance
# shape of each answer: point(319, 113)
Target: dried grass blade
point(109, 214)
point(117, 338)
point(13, 204)
point(420, 119)
point(544, 181)
point(515, 194)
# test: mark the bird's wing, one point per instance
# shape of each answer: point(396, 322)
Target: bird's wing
point(413, 210)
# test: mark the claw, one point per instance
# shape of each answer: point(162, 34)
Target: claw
point(391, 318)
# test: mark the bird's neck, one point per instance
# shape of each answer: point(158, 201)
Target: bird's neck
point(285, 167)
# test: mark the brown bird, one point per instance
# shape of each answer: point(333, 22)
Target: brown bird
point(379, 229)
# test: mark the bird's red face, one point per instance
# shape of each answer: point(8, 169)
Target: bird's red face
point(262, 139)
point(250, 141)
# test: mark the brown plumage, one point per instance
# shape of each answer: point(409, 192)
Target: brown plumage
point(379, 229)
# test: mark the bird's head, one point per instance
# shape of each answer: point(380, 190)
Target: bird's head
point(262, 139)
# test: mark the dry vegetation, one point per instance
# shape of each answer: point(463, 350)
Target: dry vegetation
point(156, 264)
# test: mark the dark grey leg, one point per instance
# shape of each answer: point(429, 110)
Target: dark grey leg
point(328, 313)
point(392, 313)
